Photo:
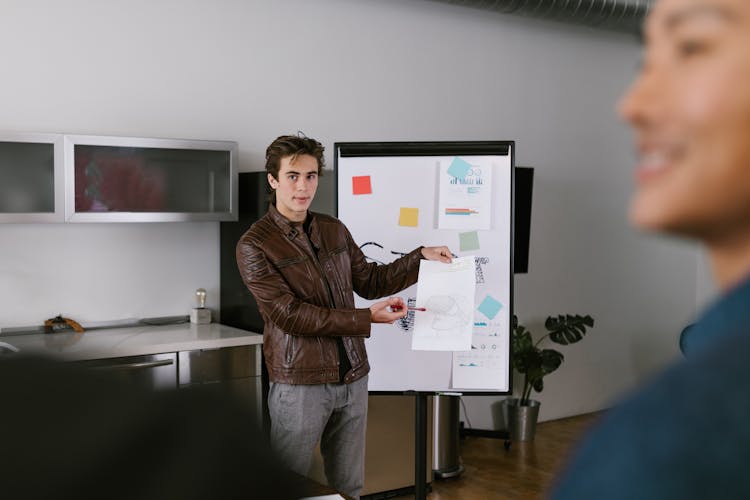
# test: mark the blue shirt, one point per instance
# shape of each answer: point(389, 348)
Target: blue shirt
point(684, 436)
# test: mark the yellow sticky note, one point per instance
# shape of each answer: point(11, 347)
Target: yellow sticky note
point(408, 217)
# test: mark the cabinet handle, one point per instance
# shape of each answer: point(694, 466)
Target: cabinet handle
point(137, 366)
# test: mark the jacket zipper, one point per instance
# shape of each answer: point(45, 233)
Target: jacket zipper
point(328, 287)
point(289, 350)
point(320, 270)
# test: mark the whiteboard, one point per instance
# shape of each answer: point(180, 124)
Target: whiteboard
point(396, 196)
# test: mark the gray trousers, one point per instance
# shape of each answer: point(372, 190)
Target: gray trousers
point(335, 415)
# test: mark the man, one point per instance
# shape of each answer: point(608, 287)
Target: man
point(686, 435)
point(303, 269)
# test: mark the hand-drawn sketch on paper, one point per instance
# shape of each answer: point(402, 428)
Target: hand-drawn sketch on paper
point(447, 314)
point(446, 291)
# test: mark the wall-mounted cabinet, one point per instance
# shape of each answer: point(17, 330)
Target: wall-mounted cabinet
point(77, 178)
point(31, 178)
point(129, 179)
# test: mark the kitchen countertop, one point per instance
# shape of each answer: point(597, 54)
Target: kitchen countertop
point(131, 341)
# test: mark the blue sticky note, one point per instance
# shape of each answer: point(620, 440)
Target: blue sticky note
point(490, 307)
point(459, 168)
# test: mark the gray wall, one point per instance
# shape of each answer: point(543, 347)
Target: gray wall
point(343, 70)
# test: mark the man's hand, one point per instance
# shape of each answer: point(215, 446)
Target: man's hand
point(388, 311)
point(442, 254)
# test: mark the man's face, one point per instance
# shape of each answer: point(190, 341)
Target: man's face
point(296, 186)
point(690, 110)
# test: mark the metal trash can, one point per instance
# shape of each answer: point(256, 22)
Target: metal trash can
point(446, 461)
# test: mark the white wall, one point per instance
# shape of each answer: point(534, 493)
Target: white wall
point(706, 291)
point(102, 272)
point(343, 70)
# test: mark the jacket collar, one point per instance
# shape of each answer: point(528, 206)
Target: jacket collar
point(293, 229)
point(727, 317)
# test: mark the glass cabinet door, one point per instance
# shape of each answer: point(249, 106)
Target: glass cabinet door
point(31, 178)
point(138, 180)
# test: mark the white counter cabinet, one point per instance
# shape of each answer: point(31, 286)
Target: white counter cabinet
point(132, 341)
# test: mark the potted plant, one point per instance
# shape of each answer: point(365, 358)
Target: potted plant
point(534, 362)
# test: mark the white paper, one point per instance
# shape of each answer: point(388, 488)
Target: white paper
point(447, 292)
point(465, 203)
point(485, 366)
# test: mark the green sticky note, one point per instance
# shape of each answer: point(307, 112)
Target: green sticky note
point(468, 241)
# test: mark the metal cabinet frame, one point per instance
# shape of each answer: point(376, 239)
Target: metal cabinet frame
point(59, 185)
point(64, 178)
point(71, 141)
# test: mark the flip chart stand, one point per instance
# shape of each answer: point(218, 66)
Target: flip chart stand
point(420, 444)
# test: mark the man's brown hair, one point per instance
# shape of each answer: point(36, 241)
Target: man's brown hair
point(293, 146)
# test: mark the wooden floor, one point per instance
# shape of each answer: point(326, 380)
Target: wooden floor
point(524, 472)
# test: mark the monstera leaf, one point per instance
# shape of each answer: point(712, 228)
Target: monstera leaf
point(568, 329)
point(551, 360)
point(534, 362)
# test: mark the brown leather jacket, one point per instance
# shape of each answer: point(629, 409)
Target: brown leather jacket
point(306, 301)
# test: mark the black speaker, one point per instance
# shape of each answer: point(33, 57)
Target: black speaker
point(524, 185)
point(237, 305)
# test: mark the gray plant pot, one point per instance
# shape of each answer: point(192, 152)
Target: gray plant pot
point(521, 420)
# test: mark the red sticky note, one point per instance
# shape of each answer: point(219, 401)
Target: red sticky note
point(361, 184)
